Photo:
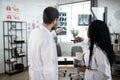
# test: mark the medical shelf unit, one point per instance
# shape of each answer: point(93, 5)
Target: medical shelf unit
point(15, 46)
point(116, 48)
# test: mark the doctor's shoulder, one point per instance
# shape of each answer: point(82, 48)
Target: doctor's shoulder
point(99, 52)
point(36, 33)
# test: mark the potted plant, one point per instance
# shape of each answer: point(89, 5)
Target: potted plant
point(74, 32)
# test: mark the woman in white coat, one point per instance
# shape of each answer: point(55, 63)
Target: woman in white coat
point(42, 54)
point(100, 57)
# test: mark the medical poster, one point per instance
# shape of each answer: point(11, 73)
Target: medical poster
point(12, 11)
point(83, 20)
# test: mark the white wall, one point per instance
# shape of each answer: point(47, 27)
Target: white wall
point(36, 9)
point(69, 1)
point(1, 41)
point(113, 6)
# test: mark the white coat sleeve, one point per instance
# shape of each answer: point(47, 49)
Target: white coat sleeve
point(103, 64)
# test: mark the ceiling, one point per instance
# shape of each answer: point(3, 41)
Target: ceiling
point(31, 1)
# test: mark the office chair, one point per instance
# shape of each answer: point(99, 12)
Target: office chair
point(75, 49)
point(59, 53)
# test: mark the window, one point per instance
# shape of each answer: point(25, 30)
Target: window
point(73, 13)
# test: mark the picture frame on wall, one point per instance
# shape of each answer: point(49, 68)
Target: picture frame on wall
point(83, 19)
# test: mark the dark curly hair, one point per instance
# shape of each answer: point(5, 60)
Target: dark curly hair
point(99, 34)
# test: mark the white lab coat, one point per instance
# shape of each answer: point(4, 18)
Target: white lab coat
point(99, 64)
point(42, 55)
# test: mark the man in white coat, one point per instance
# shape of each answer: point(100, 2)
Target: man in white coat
point(42, 54)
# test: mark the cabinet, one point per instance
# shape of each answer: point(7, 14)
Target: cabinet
point(15, 46)
point(116, 47)
point(116, 42)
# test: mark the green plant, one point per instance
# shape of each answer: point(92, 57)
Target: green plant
point(74, 32)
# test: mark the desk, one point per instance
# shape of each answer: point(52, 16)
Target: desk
point(68, 62)
point(65, 62)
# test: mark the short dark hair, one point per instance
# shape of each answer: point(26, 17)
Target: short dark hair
point(50, 14)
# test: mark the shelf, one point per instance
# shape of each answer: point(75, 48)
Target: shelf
point(116, 44)
point(18, 42)
point(20, 56)
point(115, 75)
point(18, 29)
point(8, 62)
point(8, 48)
point(11, 72)
point(114, 33)
point(116, 69)
point(13, 43)
point(14, 21)
point(9, 35)
point(117, 54)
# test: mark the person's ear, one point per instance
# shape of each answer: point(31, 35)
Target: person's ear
point(55, 21)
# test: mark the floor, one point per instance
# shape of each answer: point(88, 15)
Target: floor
point(24, 76)
point(18, 76)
